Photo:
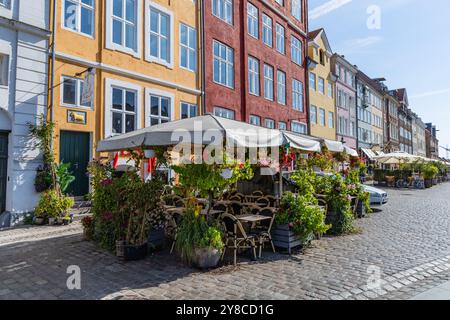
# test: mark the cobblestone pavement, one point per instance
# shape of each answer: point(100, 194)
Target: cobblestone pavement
point(407, 243)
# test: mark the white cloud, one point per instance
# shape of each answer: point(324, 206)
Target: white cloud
point(326, 8)
point(430, 93)
point(359, 44)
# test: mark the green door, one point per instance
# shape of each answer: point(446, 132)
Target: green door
point(75, 150)
point(3, 169)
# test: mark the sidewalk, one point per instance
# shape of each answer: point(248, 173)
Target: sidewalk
point(441, 292)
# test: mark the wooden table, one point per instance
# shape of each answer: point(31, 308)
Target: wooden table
point(252, 218)
point(182, 210)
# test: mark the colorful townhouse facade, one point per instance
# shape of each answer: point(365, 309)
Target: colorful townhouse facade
point(255, 61)
point(346, 121)
point(322, 85)
point(391, 122)
point(405, 122)
point(418, 136)
point(24, 40)
point(431, 141)
point(141, 61)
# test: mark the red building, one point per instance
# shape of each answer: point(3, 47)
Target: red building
point(255, 57)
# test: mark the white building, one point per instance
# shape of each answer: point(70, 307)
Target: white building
point(24, 39)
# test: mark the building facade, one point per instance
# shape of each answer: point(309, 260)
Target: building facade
point(405, 122)
point(418, 135)
point(142, 58)
point(322, 86)
point(431, 141)
point(345, 100)
point(24, 42)
point(255, 61)
point(391, 129)
point(370, 113)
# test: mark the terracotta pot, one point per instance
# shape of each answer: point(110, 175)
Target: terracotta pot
point(205, 258)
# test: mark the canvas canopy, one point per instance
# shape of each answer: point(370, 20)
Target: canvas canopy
point(203, 130)
point(301, 142)
point(396, 158)
point(351, 152)
point(333, 146)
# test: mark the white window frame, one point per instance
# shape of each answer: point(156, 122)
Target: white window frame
point(268, 121)
point(253, 76)
point(269, 82)
point(148, 5)
point(301, 124)
point(255, 120)
point(188, 48)
point(281, 87)
point(79, 5)
point(109, 29)
point(282, 125)
point(322, 117)
point(312, 76)
point(267, 34)
point(78, 93)
point(4, 70)
point(227, 63)
point(223, 15)
point(252, 27)
point(297, 95)
point(313, 119)
point(297, 9)
point(280, 38)
point(330, 90)
point(331, 119)
point(161, 94)
point(321, 85)
point(296, 50)
point(110, 84)
point(189, 109)
point(224, 113)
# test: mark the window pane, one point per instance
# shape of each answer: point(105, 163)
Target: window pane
point(154, 106)
point(70, 15)
point(154, 45)
point(183, 57)
point(184, 111)
point(184, 35)
point(117, 123)
point(69, 91)
point(118, 8)
point(192, 60)
point(164, 107)
point(88, 2)
point(154, 21)
point(154, 121)
point(131, 10)
point(117, 32)
point(164, 25)
point(87, 16)
point(130, 36)
point(117, 99)
point(164, 49)
point(130, 101)
point(130, 120)
point(193, 111)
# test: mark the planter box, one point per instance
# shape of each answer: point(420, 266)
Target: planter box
point(360, 210)
point(283, 237)
point(206, 258)
point(131, 252)
point(156, 239)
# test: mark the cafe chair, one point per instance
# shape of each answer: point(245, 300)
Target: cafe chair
point(264, 230)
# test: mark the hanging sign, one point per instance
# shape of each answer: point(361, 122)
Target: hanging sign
point(87, 96)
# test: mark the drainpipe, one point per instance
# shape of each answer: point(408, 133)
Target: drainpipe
point(52, 72)
point(203, 58)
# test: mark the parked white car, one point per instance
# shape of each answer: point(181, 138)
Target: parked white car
point(378, 197)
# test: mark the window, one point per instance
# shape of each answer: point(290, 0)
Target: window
point(269, 123)
point(282, 125)
point(267, 30)
point(124, 21)
point(4, 69)
point(281, 92)
point(313, 114)
point(296, 9)
point(160, 46)
point(223, 64)
point(296, 50)
point(4, 3)
point(280, 2)
point(252, 20)
point(123, 110)
point(188, 47)
point(330, 119)
point(188, 110)
point(268, 82)
point(321, 85)
point(322, 117)
point(255, 120)
point(224, 113)
point(297, 95)
point(281, 47)
point(322, 57)
point(71, 92)
point(298, 127)
point(330, 90)
point(158, 111)
point(223, 9)
point(79, 16)
point(312, 81)
point(253, 76)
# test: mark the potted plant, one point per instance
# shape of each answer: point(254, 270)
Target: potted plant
point(53, 205)
point(356, 189)
point(88, 227)
point(429, 173)
point(156, 235)
point(298, 221)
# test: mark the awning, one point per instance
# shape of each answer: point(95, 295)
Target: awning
point(351, 152)
point(302, 143)
point(398, 157)
point(369, 153)
point(333, 146)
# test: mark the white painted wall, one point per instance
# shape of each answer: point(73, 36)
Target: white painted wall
point(24, 99)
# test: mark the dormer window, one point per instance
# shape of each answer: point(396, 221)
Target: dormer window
point(322, 57)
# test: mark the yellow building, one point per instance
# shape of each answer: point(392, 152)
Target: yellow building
point(322, 84)
point(121, 65)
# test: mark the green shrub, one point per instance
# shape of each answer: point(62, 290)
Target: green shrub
point(52, 205)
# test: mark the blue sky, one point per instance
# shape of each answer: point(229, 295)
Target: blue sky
point(411, 49)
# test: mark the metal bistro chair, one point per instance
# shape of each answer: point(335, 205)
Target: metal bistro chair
point(257, 193)
point(264, 229)
point(235, 237)
point(272, 201)
point(235, 208)
point(263, 202)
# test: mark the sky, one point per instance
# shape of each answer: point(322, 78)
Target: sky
point(405, 41)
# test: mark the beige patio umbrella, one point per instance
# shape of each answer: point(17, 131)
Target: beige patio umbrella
point(396, 158)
